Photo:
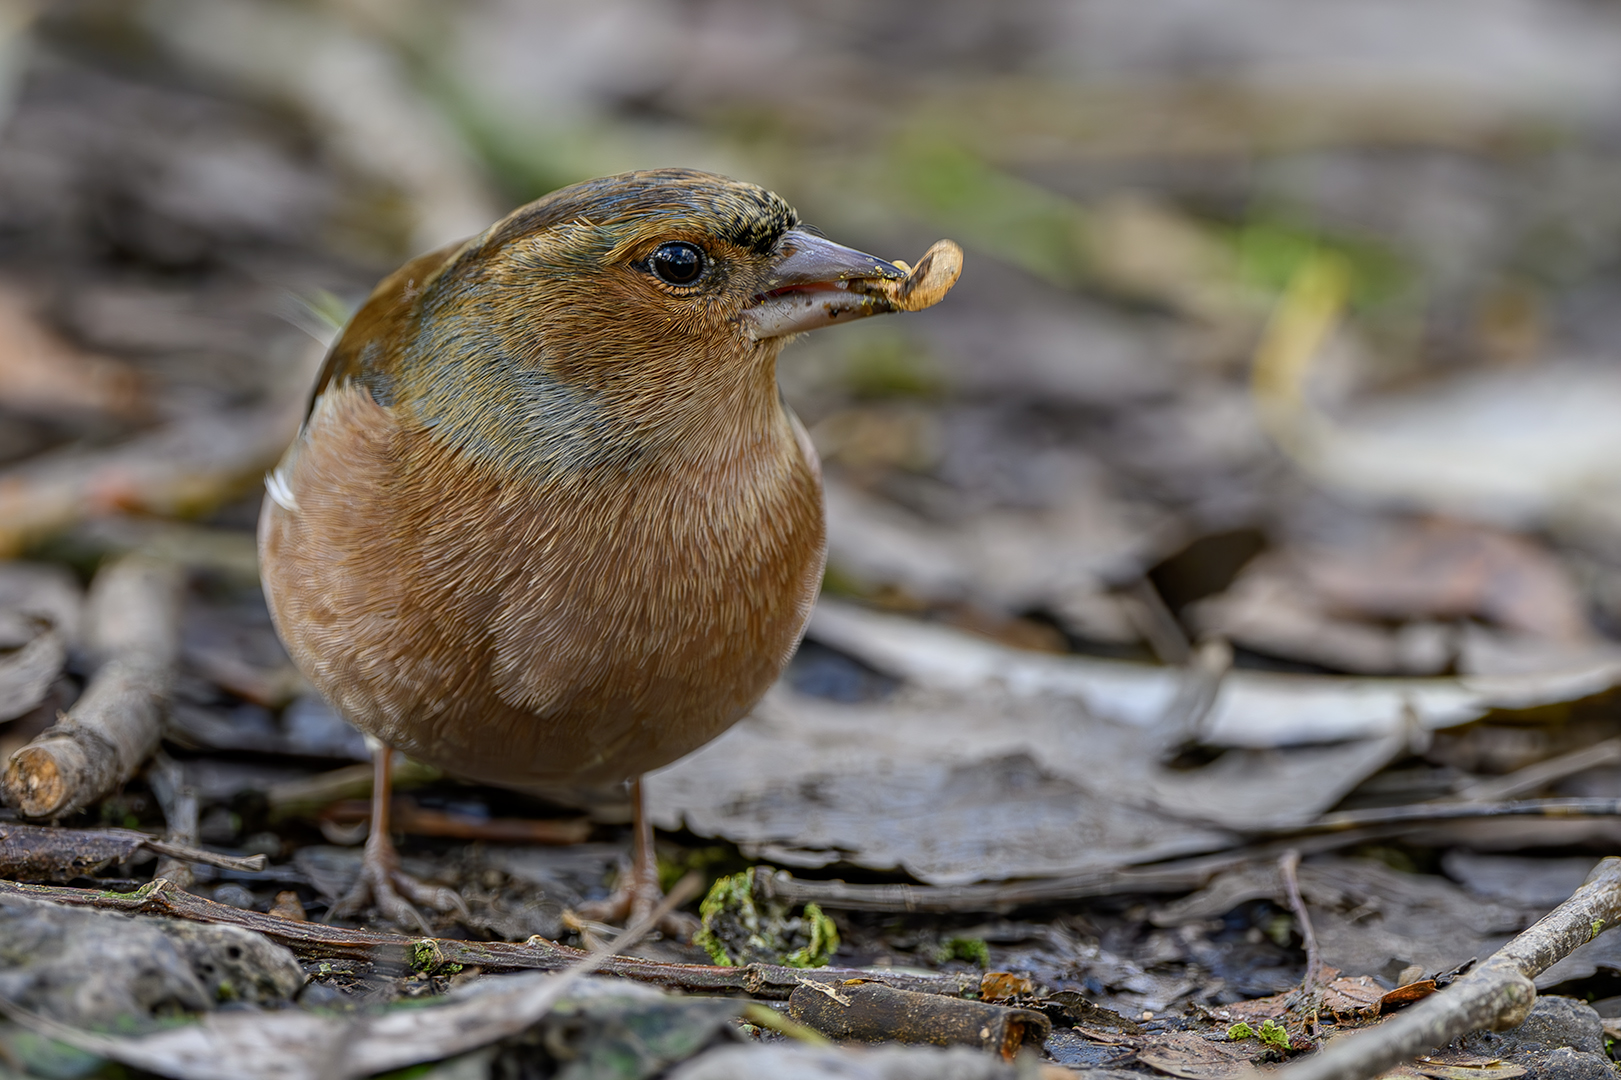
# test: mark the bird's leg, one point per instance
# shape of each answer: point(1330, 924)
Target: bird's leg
point(381, 880)
point(638, 892)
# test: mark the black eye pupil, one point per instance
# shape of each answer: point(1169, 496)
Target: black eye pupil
point(678, 264)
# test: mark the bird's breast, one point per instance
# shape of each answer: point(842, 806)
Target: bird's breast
point(590, 624)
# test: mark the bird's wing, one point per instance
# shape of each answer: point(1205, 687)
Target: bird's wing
point(378, 319)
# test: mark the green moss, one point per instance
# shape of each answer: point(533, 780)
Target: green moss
point(1273, 1034)
point(973, 950)
point(426, 959)
point(824, 941)
point(739, 928)
point(732, 898)
point(1240, 1030)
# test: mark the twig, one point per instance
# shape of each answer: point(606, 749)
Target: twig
point(873, 1013)
point(1543, 773)
point(1307, 1001)
point(1497, 994)
point(309, 795)
point(178, 801)
point(1457, 811)
point(1289, 866)
point(1182, 875)
point(251, 864)
point(318, 941)
point(1157, 624)
point(408, 816)
point(134, 621)
point(1183, 720)
point(41, 852)
point(190, 464)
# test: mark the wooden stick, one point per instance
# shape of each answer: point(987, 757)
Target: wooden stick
point(134, 622)
point(407, 816)
point(192, 463)
point(1497, 994)
point(318, 941)
point(167, 779)
point(40, 852)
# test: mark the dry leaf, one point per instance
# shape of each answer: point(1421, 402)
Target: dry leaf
point(1185, 1054)
point(42, 374)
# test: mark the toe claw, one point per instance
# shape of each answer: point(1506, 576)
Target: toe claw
point(396, 909)
point(395, 895)
point(436, 897)
point(613, 908)
point(627, 907)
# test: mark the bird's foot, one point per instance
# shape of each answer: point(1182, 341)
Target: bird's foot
point(633, 901)
point(393, 892)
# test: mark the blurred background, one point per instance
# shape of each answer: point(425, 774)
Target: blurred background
point(1304, 314)
point(1287, 343)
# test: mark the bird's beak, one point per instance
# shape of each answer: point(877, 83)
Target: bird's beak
point(810, 284)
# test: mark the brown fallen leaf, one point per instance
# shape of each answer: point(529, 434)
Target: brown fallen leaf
point(42, 374)
point(288, 906)
point(1182, 1053)
point(1352, 999)
point(1406, 995)
point(1003, 985)
point(1255, 1010)
point(1447, 569)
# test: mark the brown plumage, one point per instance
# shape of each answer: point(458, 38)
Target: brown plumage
point(548, 518)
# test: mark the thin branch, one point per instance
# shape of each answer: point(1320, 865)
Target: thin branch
point(178, 800)
point(134, 623)
point(43, 852)
point(1497, 994)
point(1326, 834)
point(1289, 866)
point(1459, 811)
point(1179, 876)
point(1533, 777)
point(317, 941)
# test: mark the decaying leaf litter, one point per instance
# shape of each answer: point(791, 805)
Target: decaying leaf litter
point(1254, 495)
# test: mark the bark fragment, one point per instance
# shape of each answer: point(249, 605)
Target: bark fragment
point(134, 624)
point(865, 1011)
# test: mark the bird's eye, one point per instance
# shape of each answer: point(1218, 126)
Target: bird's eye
point(677, 264)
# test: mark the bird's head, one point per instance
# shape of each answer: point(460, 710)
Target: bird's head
point(669, 265)
point(643, 301)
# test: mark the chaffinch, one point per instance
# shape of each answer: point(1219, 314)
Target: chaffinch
point(548, 518)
